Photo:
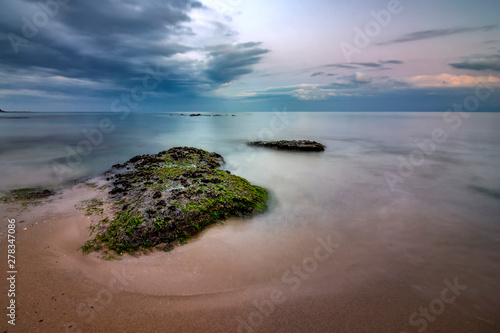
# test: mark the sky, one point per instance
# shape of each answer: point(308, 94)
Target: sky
point(249, 55)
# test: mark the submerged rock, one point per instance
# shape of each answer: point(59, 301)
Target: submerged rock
point(167, 198)
point(296, 145)
point(27, 194)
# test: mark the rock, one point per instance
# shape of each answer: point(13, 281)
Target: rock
point(295, 145)
point(163, 199)
point(27, 195)
point(200, 115)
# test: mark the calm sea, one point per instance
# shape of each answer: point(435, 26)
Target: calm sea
point(412, 198)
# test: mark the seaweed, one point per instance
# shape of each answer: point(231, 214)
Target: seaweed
point(167, 198)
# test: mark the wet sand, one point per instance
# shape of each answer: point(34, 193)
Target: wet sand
point(300, 280)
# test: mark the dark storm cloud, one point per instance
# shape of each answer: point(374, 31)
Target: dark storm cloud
point(105, 41)
point(99, 40)
point(228, 62)
point(93, 18)
point(434, 33)
point(480, 63)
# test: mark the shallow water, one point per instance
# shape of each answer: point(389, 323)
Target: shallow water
point(434, 220)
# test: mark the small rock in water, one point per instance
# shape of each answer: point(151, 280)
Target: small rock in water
point(294, 145)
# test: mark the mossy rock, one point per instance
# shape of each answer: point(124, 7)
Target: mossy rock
point(167, 198)
point(26, 195)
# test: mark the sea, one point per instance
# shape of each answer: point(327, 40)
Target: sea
point(409, 198)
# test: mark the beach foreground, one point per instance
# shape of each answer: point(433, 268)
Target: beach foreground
point(345, 246)
point(206, 286)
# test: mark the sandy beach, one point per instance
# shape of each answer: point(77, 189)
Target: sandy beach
point(210, 285)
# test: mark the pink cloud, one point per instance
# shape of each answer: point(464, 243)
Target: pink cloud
point(450, 80)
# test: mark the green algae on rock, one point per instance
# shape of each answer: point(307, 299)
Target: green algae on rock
point(167, 198)
point(23, 198)
point(26, 195)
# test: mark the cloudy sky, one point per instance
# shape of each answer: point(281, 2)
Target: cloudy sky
point(248, 55)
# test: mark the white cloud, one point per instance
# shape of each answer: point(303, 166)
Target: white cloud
point(360, 77)
point(224, 7)
point(303, 92)
point(312, 93)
